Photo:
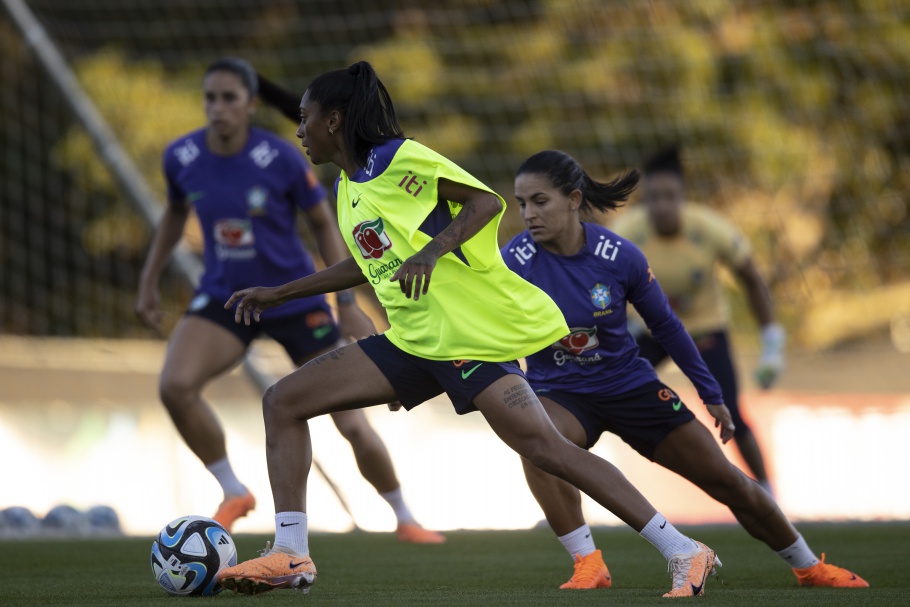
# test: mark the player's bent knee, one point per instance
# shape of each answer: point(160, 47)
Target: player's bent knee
point(176, 394)
point(545, 458)
point(355, 431)
point(728, 484)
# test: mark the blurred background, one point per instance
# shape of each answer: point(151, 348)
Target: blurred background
point(794, 119)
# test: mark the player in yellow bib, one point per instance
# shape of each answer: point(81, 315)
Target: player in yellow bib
point(686, 244)
point(422, 233)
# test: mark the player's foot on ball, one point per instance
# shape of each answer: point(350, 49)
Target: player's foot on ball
point(234, 507)
point(823, 574)
point(270, 571)
point(412, 533)
point(590, 572)
point(690, 572)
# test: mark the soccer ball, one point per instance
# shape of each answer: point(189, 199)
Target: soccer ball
point(103, 520)
point(188, 554)
point(64, 520)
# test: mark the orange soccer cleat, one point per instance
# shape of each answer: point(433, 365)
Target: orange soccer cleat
point(234, 507)
point(590, 572)
point(823, 574)
point(690, 572)
point(412, 533)
point(270, 571)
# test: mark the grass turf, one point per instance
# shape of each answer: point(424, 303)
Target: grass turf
point(473, 568)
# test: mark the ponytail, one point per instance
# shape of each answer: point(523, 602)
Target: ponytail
point(279, 98)
point(566, 175)
point(609, 196)
point(369, 115)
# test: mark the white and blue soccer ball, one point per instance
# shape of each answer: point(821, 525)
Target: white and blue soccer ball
point(188, 554)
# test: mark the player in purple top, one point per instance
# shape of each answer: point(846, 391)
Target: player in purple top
point(594, 381)
point(246, 187)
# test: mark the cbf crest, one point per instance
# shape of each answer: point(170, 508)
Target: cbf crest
point(255, 201)
point(600, 295)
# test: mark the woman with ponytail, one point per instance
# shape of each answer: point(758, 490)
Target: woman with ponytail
point(594, 381)
point(423, 233)
point(247, 186)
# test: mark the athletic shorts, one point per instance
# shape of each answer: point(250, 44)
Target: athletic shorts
point(417, 380)
point(301, 335)
point(642, 417)
point(715, 350)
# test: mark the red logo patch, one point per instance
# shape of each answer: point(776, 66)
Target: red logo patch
point(371, 238)
point(579, 340)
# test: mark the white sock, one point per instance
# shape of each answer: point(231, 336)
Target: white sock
point(291, 533)
point(396, 501)
point(798, 556)
point(225, 476)
point(666, 538)
point(579, 541)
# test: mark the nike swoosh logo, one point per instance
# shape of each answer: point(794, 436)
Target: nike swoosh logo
point(695, 589)
point(319, 333)
point(587, 536)
point(664, 524)
point(467, 374)
point(295, 565)
point(289, 524)
point(677, 405)
point(354, 203)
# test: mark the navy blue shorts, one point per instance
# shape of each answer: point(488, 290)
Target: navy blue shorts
point(417, 380)
point(301, 335)
point(715, 350)
point(642, 417)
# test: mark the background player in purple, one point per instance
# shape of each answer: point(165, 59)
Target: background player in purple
point(594, 380)
point(246, 186)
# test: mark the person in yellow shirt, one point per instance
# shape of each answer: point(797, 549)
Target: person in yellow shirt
point(686, 244)
point(423, 233)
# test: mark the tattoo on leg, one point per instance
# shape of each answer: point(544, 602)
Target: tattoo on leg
point(334, 355)
point(519, 396)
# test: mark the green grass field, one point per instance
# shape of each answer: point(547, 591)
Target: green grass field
point(472, 568)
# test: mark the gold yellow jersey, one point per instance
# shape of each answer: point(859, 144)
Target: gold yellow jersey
point(686, 264)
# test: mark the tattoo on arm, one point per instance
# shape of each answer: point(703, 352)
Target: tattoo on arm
point(519, 396)
point(455, 234)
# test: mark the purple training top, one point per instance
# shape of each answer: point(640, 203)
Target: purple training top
point(592, 288)
point(247, 208)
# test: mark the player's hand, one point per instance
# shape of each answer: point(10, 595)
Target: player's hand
point(722, 420)
point(148, 308)
point(771, 363)
point(251, 302)
point(414, 274)
point(354, 322)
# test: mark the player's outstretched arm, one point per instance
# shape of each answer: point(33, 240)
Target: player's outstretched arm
point(773, 337)
point(479, 208)
point(252, 301)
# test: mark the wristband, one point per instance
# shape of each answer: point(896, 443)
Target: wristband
point(773, 338)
